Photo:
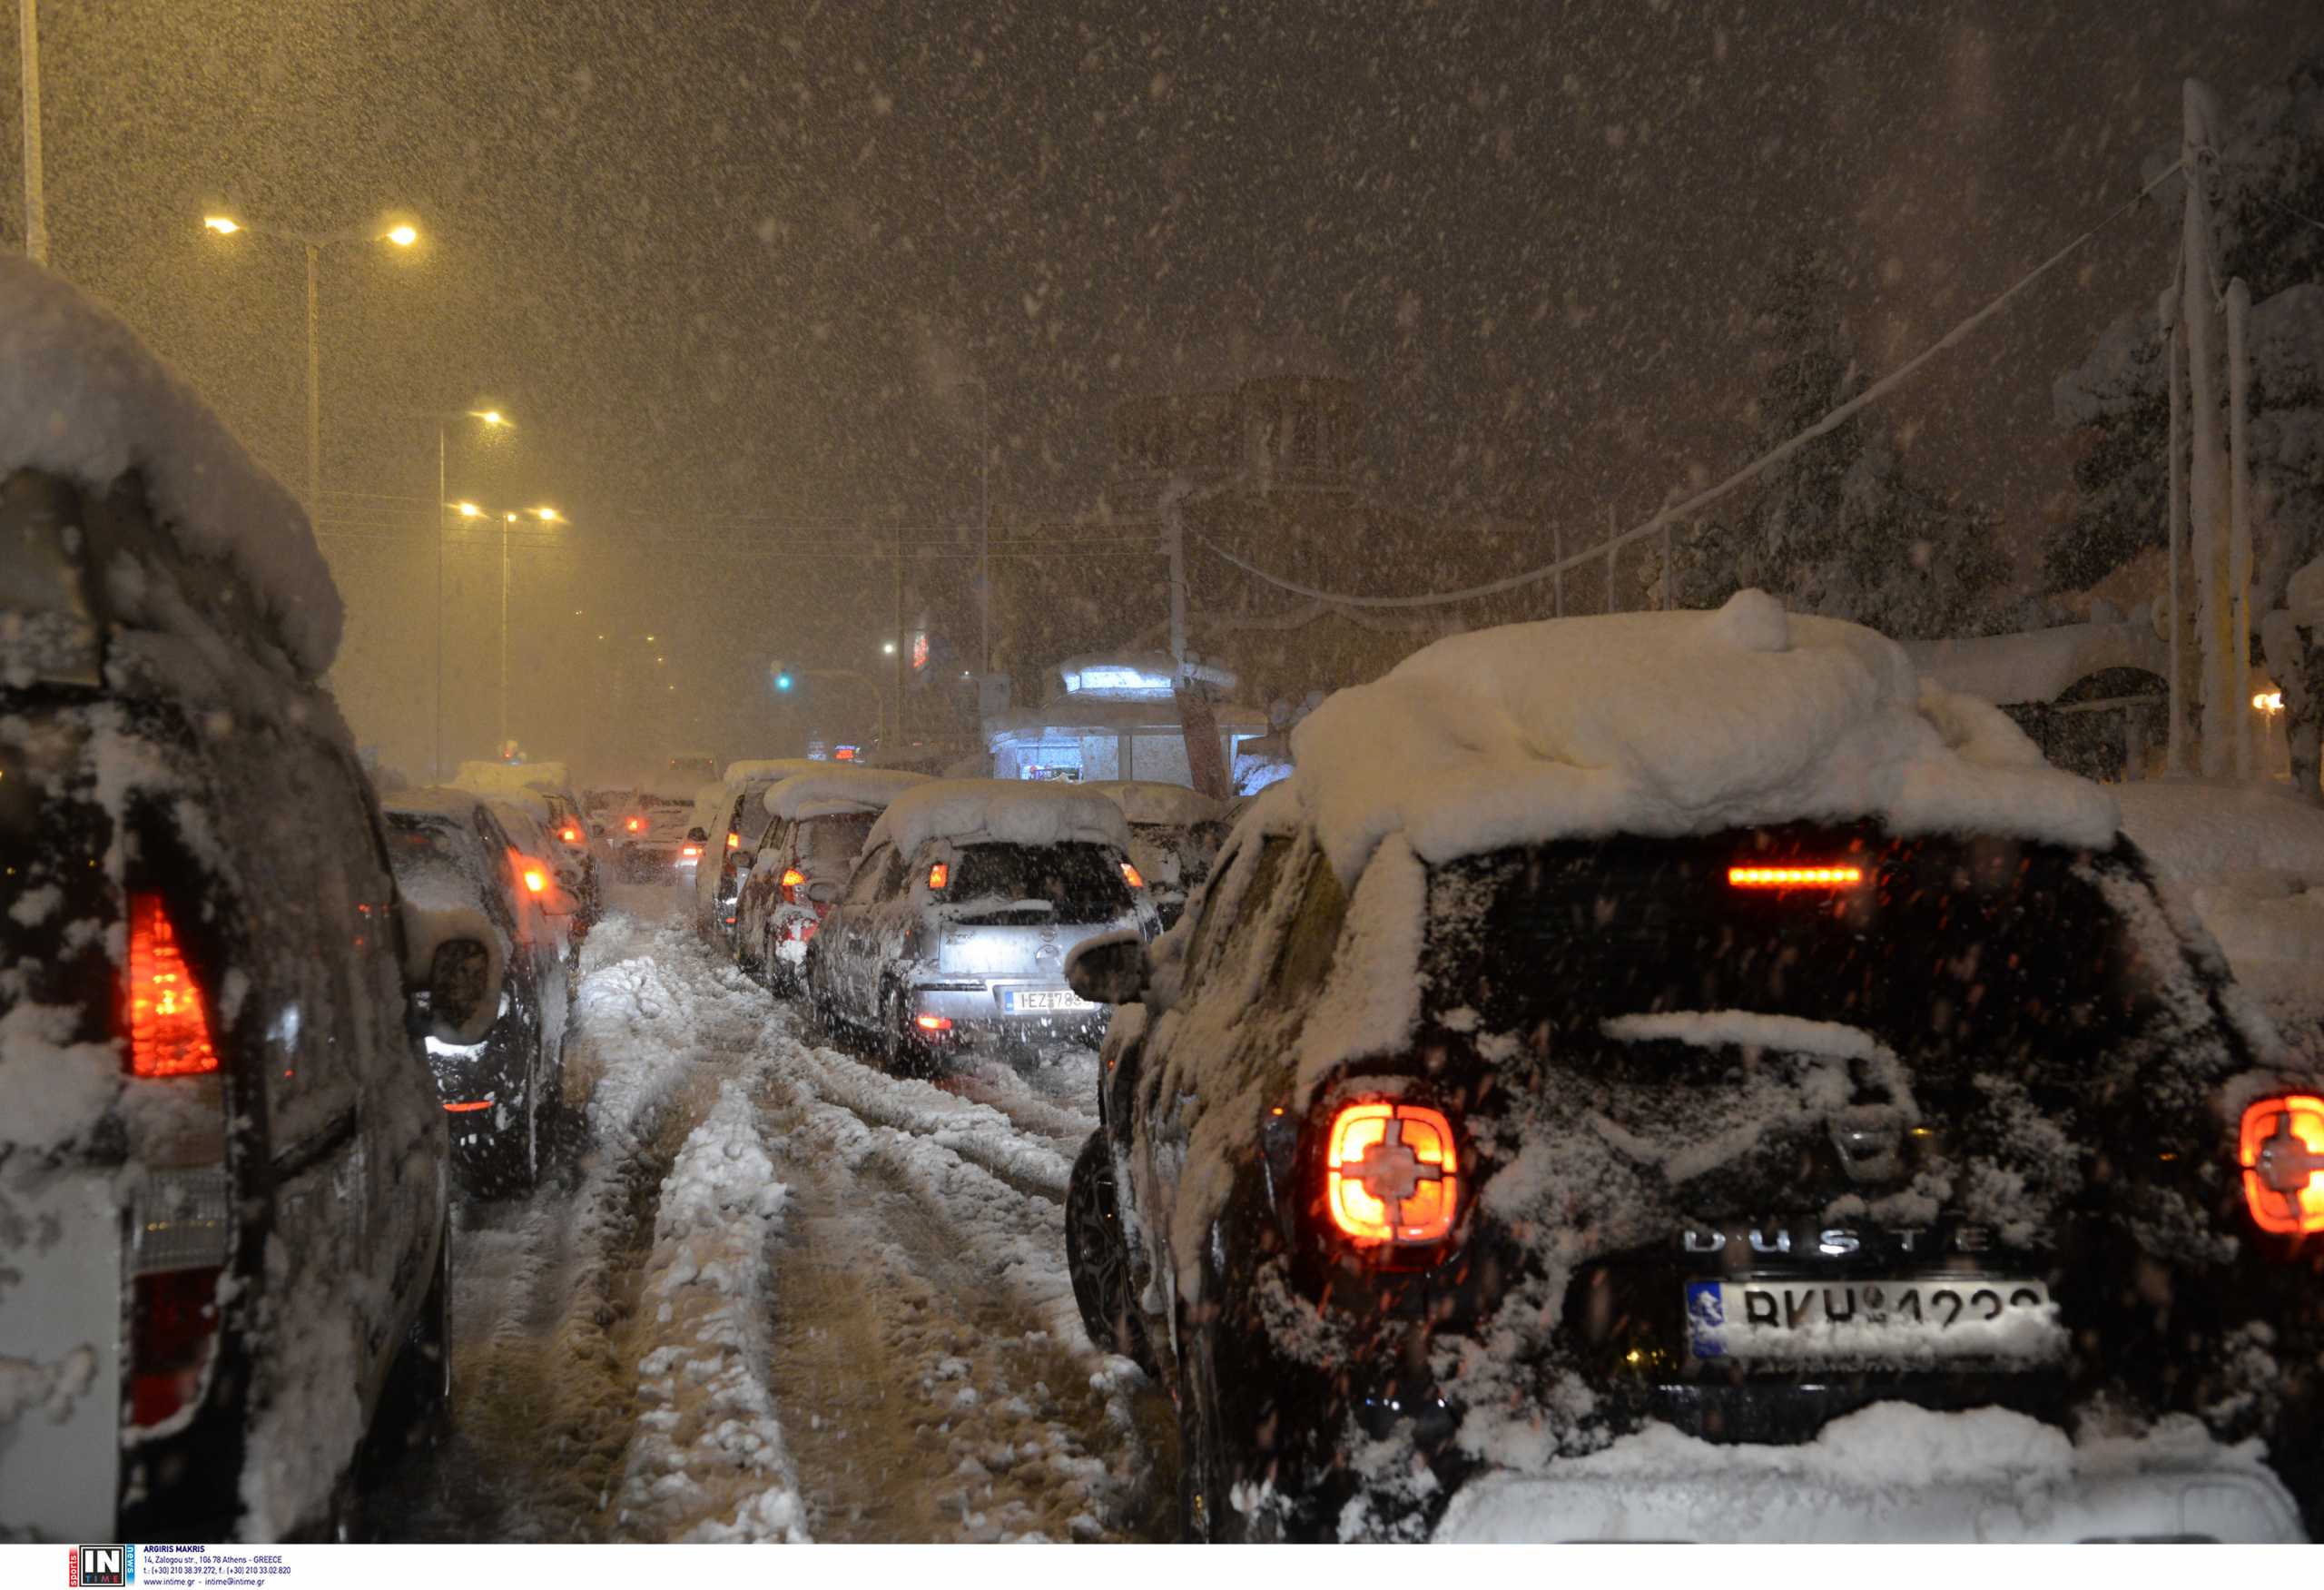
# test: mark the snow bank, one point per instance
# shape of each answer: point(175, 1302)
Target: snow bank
point(83, 399)
point(1171, 804)
point(2040, 665)
point(708, 1433)
point(838, 787)
point(972, 811)
point(1891, 1472)
point(1667, 724)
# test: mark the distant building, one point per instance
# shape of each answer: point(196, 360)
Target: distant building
point(1111, 717)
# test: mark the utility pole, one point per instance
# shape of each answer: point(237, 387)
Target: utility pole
point(314, 387)
point(2239, 508)
point(2183, 681)
point(35, 205)
point(2207, 506)
point(902, 645)
point(442, 506)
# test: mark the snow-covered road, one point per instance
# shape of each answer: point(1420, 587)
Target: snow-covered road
point(768, 1292)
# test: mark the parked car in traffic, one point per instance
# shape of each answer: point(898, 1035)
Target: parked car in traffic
point(816, 824)
point(648, 837)
point(957, 920)
point(572, 837)
point(730, 837)
point(1707, 1072)
point(1174, 835)
point(214, 1117)
point(500, 1076)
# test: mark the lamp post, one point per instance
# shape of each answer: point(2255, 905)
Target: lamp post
point(313, 243)
point(547, 516)
point(36, 207)
point(491, 417)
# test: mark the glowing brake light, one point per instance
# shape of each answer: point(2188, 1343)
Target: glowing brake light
point(733, 840)
point(570, 836)
point(634, 825)
point(689, 852)
point(1811, 878)
point(2281, 1151)
point(932, 1023)
point(467, 1106)
point(536, 880)
point(938, 874)
point(792, 877)
point(169, 1031)
point(1390, 1174)
point(1130, 876)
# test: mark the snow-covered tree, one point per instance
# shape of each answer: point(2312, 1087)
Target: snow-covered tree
point(2267, 194)
point(1841, 527)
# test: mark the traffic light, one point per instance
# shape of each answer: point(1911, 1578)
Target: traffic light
point(780, 677)
point(783, 681)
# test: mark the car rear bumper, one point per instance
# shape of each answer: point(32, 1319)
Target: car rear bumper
point(983, 1007)
point(1914, 1476)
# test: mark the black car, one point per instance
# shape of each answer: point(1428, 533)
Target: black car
point(1521, 1189)
point(499, 1064)
point(223, 1242)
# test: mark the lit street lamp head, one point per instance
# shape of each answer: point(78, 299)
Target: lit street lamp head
point(224, 226)
point(468, 511)
point(403, 237)
point(547, 516)
point(490, 416)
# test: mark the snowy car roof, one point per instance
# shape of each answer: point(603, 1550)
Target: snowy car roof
point(521, 778)
point(434, 801)
point(972, 811)
point(83, 399)
point(1171, 804)
point(838, 787)
point(771, 767)
point(1668, 723)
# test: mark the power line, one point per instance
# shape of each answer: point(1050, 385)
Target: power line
point(1744, 476)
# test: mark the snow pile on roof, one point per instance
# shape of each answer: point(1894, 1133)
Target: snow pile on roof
point(1170, 804)
point(839, 787)
point(434, 801)
point(771, 767)
point(2038, 666)
point(1890, 1472)
point(1668, 723)
point(83, 399)
point(520, 778)
point(972, 811)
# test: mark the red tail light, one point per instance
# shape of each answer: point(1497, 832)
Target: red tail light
point(536, 880)
point(690, 852)
point(1390, 1174)
point(1795, 877)
point(168, 1031)
point(733, 840)
point(2281, 1151)
point(634, 825)
point(1130, 876)
point(467, 1106)
point(939, 875)
point(932, 1023)
point(174, 1324)
point(792, 877)
point(570, 836)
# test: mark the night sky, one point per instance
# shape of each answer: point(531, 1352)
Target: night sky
point(736, 262)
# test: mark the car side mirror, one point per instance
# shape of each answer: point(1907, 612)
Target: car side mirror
point(696, 836)
point(1109, 970)
point(463, 996)
point(745, 859)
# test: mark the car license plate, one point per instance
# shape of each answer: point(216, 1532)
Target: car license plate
point(1951, 1317)
point(1043, 998)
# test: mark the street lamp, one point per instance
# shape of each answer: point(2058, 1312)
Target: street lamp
point(492, 419)
point(402, 235)
point(547, 516)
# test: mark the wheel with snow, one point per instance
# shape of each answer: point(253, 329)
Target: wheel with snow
point(1096, 1258)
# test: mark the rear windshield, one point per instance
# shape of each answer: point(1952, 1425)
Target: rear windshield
point(1082, 883)
point(1959, 955)
point(750, 822)
point(423, 848)
point(837, 839)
